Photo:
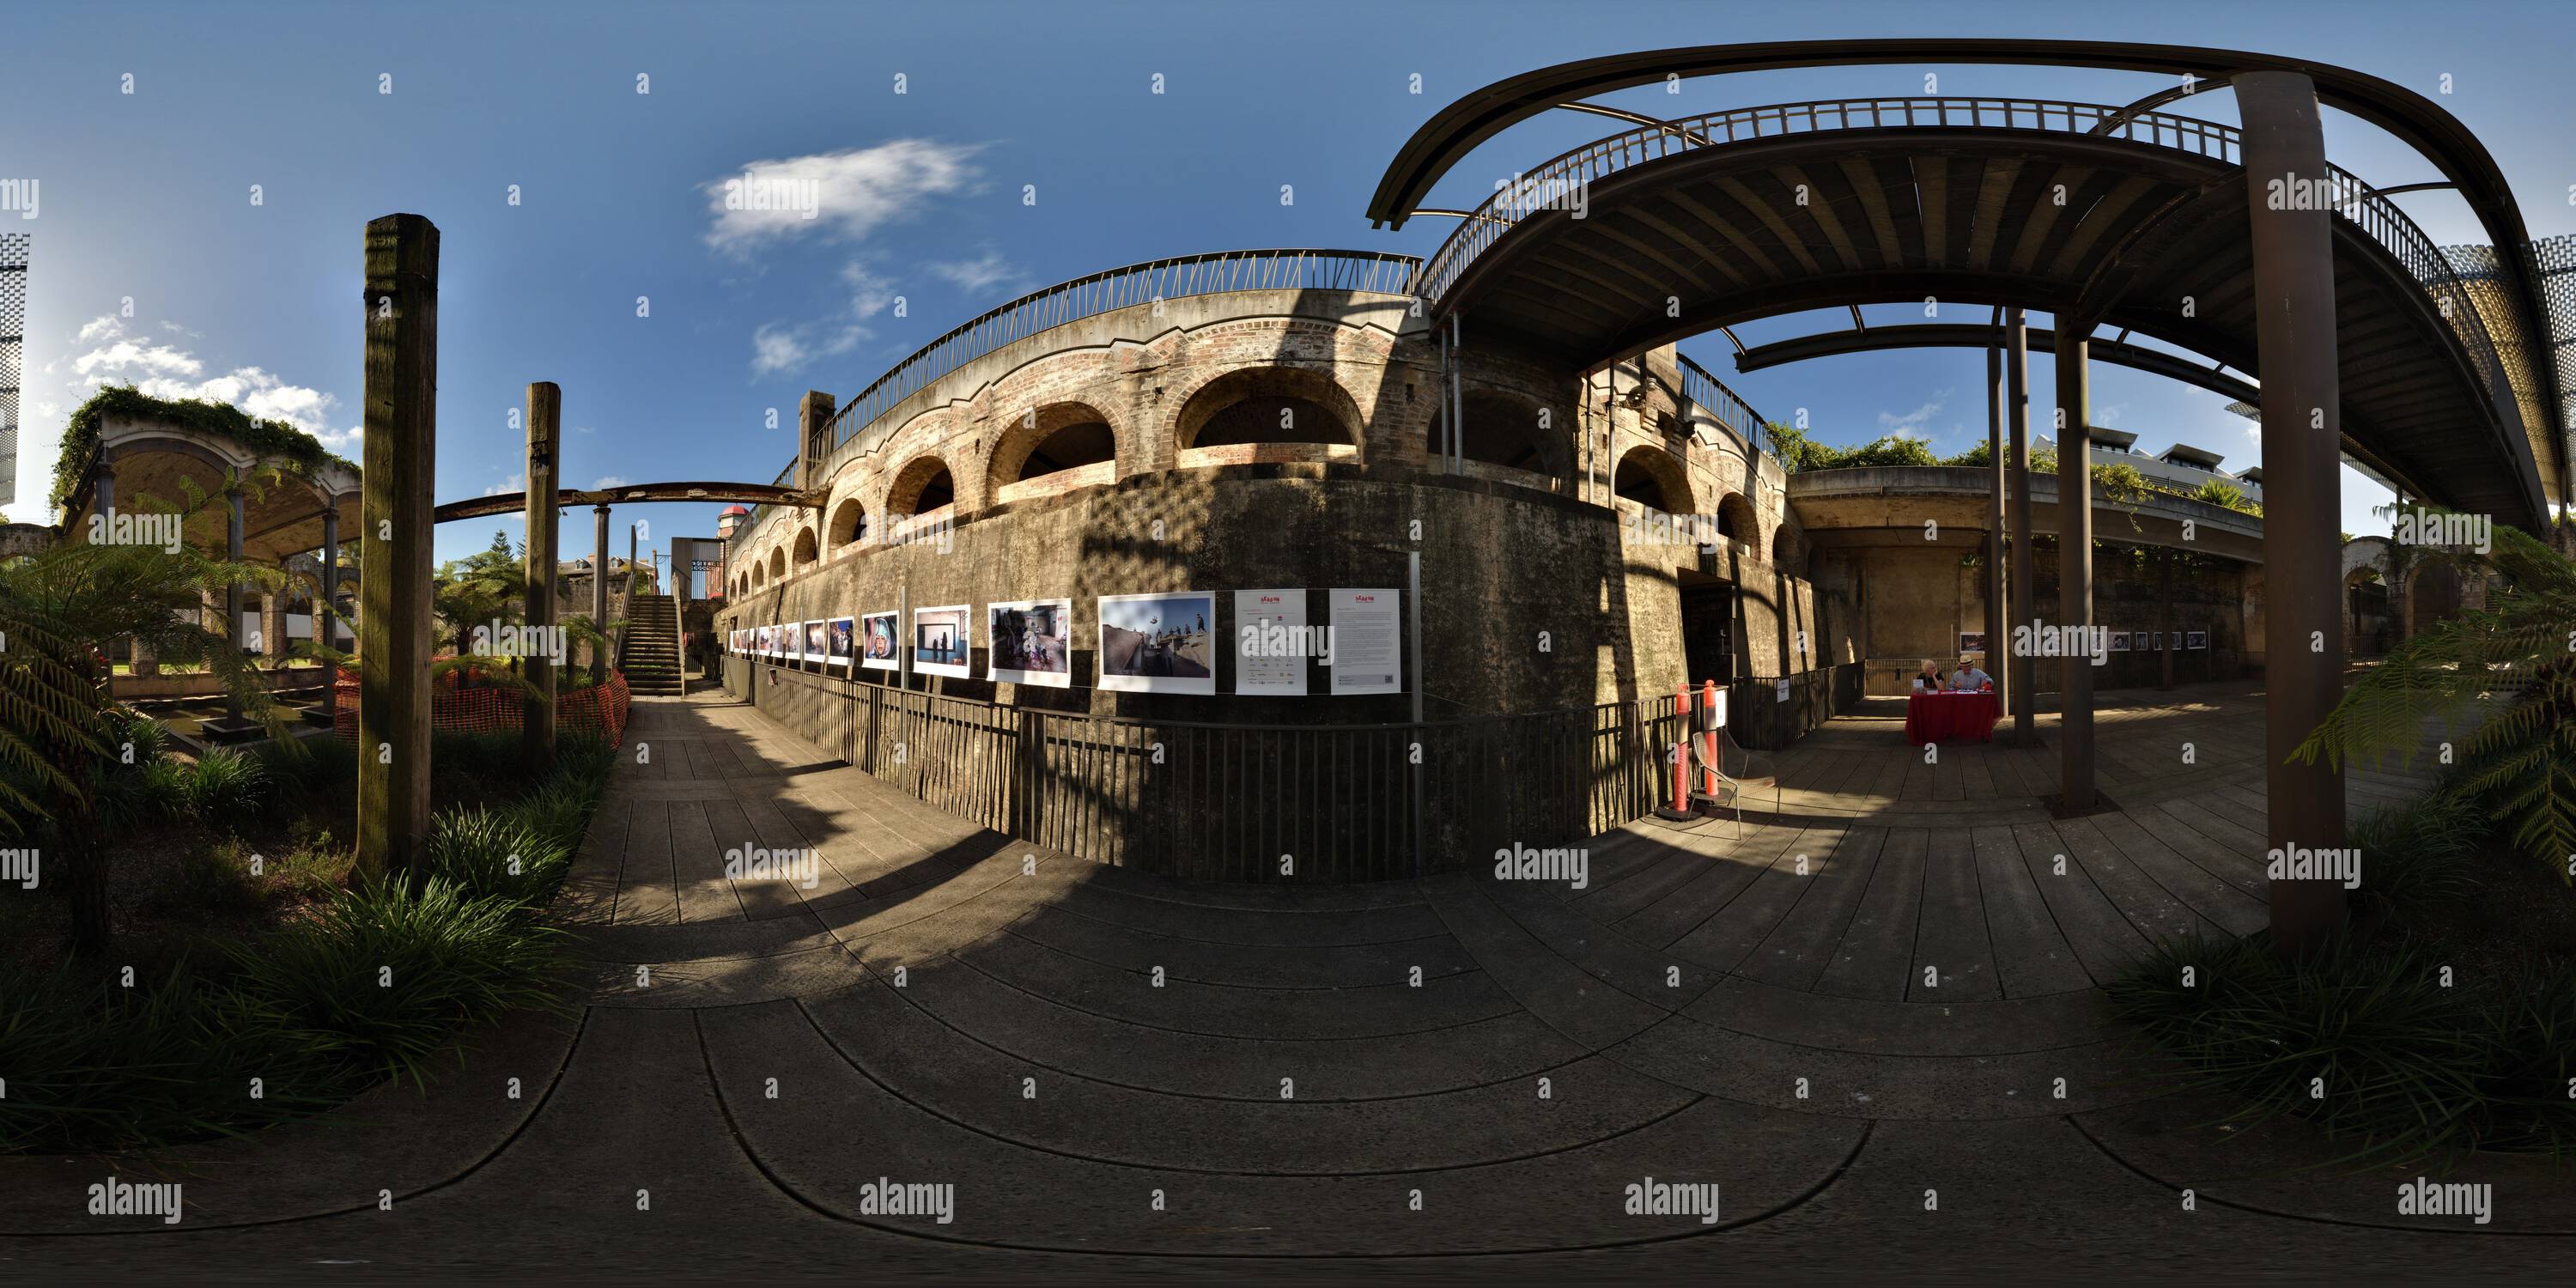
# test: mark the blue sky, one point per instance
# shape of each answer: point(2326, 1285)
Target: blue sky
point(148, 195)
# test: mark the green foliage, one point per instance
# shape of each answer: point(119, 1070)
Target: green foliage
point(392, 971)
point(2226, 495)
point(269, 438)
point(2422, 855)
point(227, 788)
point(2506, 667)
point(2410, 1069)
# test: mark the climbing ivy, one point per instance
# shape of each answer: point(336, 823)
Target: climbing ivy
point(272, 439)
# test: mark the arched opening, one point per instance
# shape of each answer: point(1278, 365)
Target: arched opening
point(1737, 523)
point(2432, 594)
point(849, 525)
point(1051, 440)
point(1503, 430)
point(805, 549)
point(1269, 405)
point(777, 562)
point(923, 486)
point(759, 575)
point(2365, 613)
point(1652, 478)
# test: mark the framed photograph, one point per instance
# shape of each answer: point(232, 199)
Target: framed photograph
point(1161, 643)
point(2119, 641)
point(940, 644)
point(814, 641)
point(2195, 639)
point(878, 650)
point(1030, 641)
point(840, 641)
point(761, 640)
point(1971, 642)
point(791, 641)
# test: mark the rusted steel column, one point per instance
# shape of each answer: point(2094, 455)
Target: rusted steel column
point(537, 728)
point(599, 596)
point(396, 526)
point(1995, 522)
point(326, 629)
point(2293, 243)
point(2025, 568)
point(2074, 565)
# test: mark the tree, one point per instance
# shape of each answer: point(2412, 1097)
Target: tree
point(2510, 662)
point(59, 729)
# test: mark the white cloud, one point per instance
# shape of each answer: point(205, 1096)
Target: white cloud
point(978, 275)
point(517, 482)
point(165, 371)
point(777, 347)
point(846, 194)
point(869, 293)
point(613, 480)
point(1910, 425)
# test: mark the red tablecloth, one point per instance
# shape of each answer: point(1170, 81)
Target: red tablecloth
point(1941, 717)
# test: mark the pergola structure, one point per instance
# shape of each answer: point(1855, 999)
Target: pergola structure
point(2241, 244)
point(272, 508)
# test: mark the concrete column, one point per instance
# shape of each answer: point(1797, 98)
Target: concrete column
point(272, 624)
point(326, 628)
point(397, 523)
point(1995, 540)
point(537, 730)
point(2302, 437)
point(145, 661)
point(2075, 562)
point(2025, 569)
point(599, 595)
point(813, 417)
point(236, 595)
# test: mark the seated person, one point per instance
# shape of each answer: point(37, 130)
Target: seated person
point(1928, 680)
point(1970, 679)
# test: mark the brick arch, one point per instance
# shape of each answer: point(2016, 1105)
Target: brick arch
point(806, 549)
point(1223, 398)
point(905, 491)
point(777, 562)
point(1786, 551)
point(1737, 519)
point(1043, 432)
point(1651, 476)
point(848, 525)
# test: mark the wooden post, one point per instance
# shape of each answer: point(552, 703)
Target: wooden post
point(2074, 563)
point(397, 520)
point(599, 596)
point(537, 731)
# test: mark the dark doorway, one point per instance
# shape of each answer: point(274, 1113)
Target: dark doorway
point(1708, 632)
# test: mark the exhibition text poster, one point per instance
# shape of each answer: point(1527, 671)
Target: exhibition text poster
point(1368, 642)
point(1271, 643)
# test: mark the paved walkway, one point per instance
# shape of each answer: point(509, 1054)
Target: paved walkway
point(1877, 1031)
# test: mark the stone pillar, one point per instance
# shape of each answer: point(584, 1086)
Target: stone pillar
point(103, 489)
point(537, 730)
point(2294, 293)
point(599, 596)
point(2074, 564)
point(813, 421)
point(236, 595)
point(2025, 566)
point(397, 524)
point(145, 661)
point(1995, 540)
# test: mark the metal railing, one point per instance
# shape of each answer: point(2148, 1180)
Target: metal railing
point(1218, 802)
point(1728, 408)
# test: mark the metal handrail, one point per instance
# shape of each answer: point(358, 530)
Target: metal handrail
point(1710, 394)
point(2368, 209)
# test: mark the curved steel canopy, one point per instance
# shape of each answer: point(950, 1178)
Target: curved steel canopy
point(631, 494)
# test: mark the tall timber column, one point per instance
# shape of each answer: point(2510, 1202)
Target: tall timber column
point(2293, 242)
point(2074, 566)
point(236, 594)
point(1995, 637)
point(326, 628)
point(2025, 567)
point(396, 521)
point(537, 731)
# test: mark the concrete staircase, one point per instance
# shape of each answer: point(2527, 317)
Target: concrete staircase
point(649, 653)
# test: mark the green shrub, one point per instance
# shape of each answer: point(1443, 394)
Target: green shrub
point(2409, 1068)
point(129, 798)
point(228, 788)
point(496, 853)
point(92, 1064)
point(394, 971)
point(2420, 856)
point(216, 877)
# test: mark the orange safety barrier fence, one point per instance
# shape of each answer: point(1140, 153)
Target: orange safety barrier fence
point(482, 708)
